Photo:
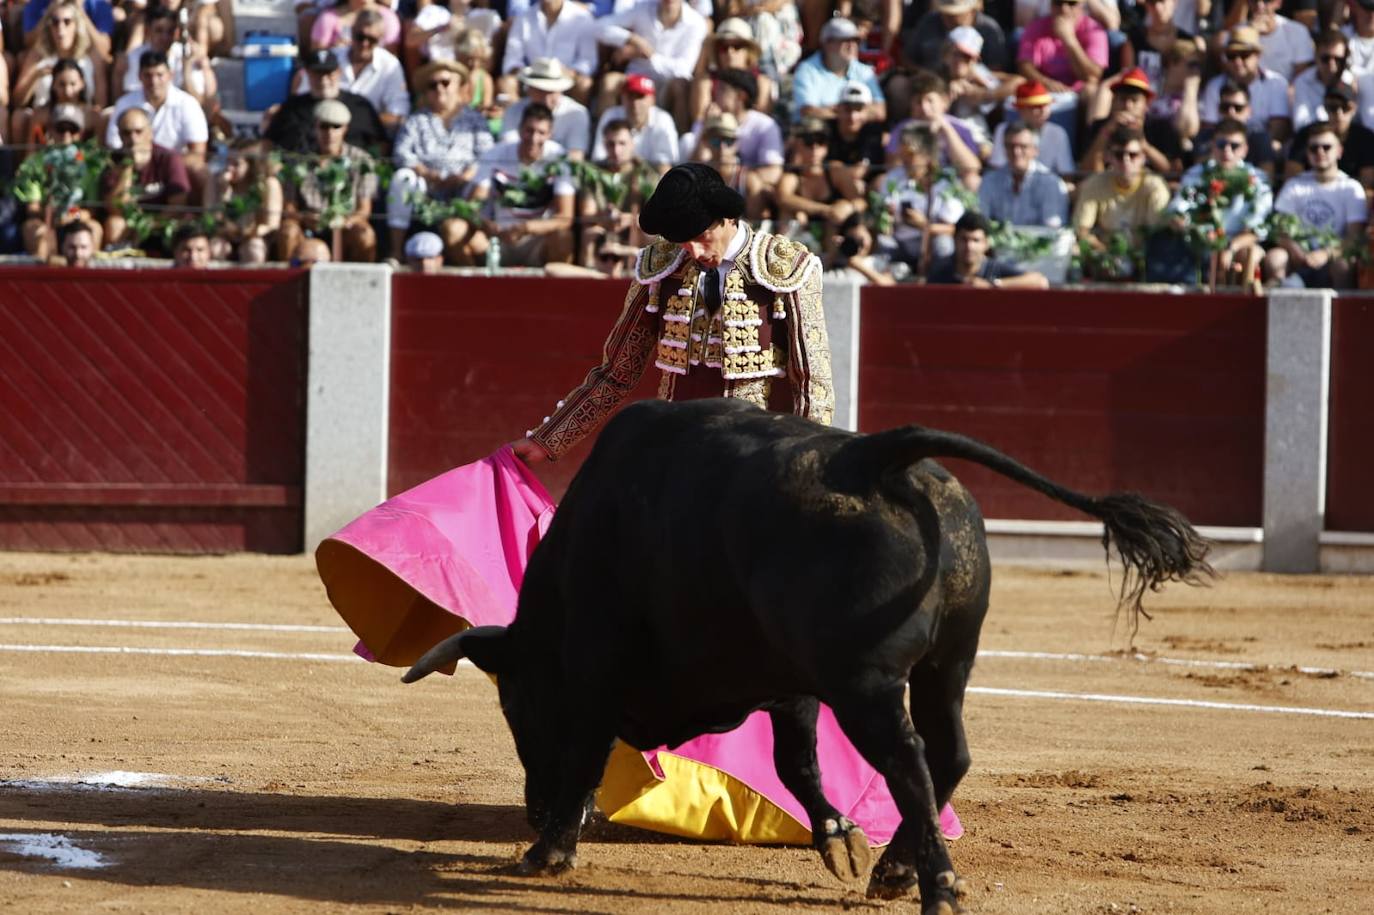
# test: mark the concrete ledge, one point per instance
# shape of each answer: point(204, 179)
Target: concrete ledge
point(1344, 553)
point(349, 388)
point(1078, 544)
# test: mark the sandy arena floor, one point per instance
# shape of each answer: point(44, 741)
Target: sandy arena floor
point(295, 779)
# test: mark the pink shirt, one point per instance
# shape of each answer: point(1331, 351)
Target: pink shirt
point(1046, 52)
point(329, 32)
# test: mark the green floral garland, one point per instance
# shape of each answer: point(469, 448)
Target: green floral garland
point(1202, 207)
point(63, 177)
point(333, 176)
point(429, 211)
point(1008, 241)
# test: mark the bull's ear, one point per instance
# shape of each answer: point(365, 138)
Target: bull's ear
point(489, 647)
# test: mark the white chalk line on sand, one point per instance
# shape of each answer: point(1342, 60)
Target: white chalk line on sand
point(991, 691)
point(183, 652)
point(164, 624)
point(1180, 662)
point(1182, 703)
point(986, 653)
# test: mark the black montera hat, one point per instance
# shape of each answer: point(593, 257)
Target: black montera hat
point(687, 200)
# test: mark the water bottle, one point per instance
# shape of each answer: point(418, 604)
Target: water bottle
point(494, 256)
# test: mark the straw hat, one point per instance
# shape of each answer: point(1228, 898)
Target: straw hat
point(734, 29)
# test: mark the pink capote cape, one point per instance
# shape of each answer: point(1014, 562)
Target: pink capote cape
point(451, 553)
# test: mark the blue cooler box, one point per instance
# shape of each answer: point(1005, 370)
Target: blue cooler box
point(267, 64)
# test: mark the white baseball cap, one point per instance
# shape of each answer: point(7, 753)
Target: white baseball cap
point(967, 39)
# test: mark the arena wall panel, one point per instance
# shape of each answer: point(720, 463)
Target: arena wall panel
point(476, 361)
point(151, 412)
point(1349, 495)
point(1163, 394)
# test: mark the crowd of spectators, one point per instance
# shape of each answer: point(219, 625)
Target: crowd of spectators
point(944, 140)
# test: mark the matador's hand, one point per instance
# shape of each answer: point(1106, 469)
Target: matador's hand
point(529, 452)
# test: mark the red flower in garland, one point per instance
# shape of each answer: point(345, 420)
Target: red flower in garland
point(1217, 186)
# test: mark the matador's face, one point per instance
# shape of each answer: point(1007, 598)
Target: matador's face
point(708, 248)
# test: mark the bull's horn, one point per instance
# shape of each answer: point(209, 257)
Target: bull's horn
point(447, 652)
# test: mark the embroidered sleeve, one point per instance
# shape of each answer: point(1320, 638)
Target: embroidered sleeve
point(628, 351)
point(813, 392)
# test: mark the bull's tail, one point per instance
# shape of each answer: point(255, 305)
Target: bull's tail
point(1155, 542)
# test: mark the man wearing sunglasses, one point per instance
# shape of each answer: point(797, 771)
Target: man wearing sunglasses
point(1309, 89)
point(1243, 215)
point(370, 70)
point(1269, 106)
point(304, 202)
point(1326, 199)
point(1126, 199)
point(1234, 105)
point(1339, 109)
point(291, 126)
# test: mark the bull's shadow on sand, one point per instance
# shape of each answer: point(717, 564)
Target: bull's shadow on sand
point(335, 849)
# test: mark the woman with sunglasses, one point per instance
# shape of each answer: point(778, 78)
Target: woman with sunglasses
point(809, 200)
point(64, 32)
point(68, 89)
point(732, 47)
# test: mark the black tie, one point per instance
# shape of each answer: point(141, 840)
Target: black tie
point(712, 298)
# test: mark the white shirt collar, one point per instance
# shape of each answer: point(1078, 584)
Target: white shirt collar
point(736, 246)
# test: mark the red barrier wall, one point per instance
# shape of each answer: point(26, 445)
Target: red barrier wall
point(477, 361)
point(151, 410)
point(1163, 394)
point(1350, 455)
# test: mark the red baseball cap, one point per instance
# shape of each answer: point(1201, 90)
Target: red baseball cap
point(1135, 78)
point(639, 84)
point(1032, 94)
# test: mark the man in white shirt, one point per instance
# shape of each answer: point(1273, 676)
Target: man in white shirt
point(1327, 200)
point(178, 121)
point(660, 39)
point(538, 230)
point(656, 137)
point(1287, 45)
point(552, 29)
point(544, 83)
point(370, 70)
point(1309, 88)
point(187, 60)
point(1269, 106)
point(1360, 32)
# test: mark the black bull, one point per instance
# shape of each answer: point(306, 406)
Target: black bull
point(711, 559)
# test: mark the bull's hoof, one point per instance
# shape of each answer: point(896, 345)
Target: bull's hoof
point(844, 849)
point(951, 884)
point(540, 860)
point(891, 880)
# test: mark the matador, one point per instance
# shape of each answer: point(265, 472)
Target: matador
point(720, 309)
